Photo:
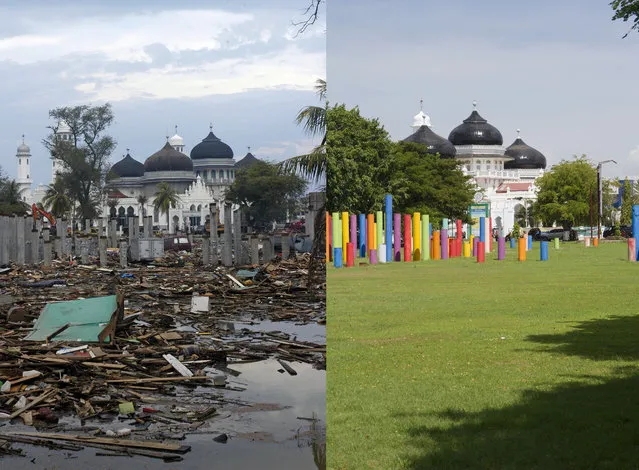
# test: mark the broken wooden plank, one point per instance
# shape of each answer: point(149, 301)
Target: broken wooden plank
point(88, 440)
point(105, 365)
point(177, 365)
point(287, 368)
point(158, 379)
point(31, 404)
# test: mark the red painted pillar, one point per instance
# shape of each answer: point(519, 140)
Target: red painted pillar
point(490, 231)
point(408, 251)
point(481, 252)
point(350, 255)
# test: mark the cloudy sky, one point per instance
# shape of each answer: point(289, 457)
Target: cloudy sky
point(236, 64)
point(558, 70)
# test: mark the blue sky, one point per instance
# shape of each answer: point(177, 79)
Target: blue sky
point(559, 71)
point(160, 64)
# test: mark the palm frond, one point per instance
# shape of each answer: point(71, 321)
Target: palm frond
point(311, 166)
point(313, 120)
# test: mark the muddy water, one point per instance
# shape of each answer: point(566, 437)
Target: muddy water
point(267, 435)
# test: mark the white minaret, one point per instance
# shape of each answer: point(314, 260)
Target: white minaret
point(63, 133)
point(24, 169)
point(420, 119)
point(177, 142)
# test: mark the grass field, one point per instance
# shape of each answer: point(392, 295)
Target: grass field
point(504, 365)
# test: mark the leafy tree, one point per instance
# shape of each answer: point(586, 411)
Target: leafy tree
point(165, 198)
point(142, 200)
point(359, 166)
point(565, 191)
point(516, 233)
point(429, 184)
point(264, 193)
point(56, 200)
point(626, 10)
point(525, 216)
point(84, 157)
point(626, 203)
point(11, 202)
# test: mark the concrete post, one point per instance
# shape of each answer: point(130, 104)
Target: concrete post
point(102, 247)
point(206, 251)
point(35, 244)
point(4, 242)
point(20, 240)
point(237, 235)
point(124, 247)
point(113, 233)
point(286, 247)
point(148, 227)
point(214, 256)
point(255, 250)
point(47, 253)
point(227, 253)
point(268, 249)
point(84, 252)
point(131, 223)
point(136, 227)
point(87, 226)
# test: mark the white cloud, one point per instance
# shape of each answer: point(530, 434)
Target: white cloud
point(285, 149)
point(123, 38)
point(290, 68)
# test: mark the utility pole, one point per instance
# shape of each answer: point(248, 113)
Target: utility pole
point(600, 195)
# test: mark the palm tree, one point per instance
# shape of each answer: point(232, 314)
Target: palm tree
point(313, 119)
point(142, 200)
point(56, 200)
point(11, 202)
point(165, 198)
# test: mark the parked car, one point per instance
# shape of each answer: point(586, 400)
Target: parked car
point(177, 243)
point(625, 230)
point(557, 233)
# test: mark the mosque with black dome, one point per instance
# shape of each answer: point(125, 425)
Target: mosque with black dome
point(200, 179)
point(504, 176)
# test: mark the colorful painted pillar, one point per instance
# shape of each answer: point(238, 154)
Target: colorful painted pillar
point(337, 257)
point(417, 236)
point(436, 245)
point(329, 238)
point(501, 248)
point(352, 224)
point(345, 232)
point(473, 243)
point(362, 236)
point(337, 232)
point(397, 237)
point(350, 255)
point(388, 205)
point(373, 256)
point(425, 237)
point(370, 230)
point(466, 249)
point(482, 230)
point(522, 249)
point(460, 237)
point(444, 239)
point(408, 254)
point(512, 242)
point(481, 252)
point(543, 251)
point(632, 249)
point(490, 235)
point(379, 226)
point(556, 243)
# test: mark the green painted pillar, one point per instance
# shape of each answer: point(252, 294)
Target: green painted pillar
point(337, 231)
point(379, 219)
point(556, 243)
point(425, 237)
point(445, 223)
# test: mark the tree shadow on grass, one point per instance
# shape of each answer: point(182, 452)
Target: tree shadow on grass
point(613, 338)
point(575, 426)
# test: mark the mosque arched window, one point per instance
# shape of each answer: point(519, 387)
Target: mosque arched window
point(192, 208)
point(213, 175)
point(199, 207)
point(130, 211)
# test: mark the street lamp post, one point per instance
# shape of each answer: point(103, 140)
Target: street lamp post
point(600, 195)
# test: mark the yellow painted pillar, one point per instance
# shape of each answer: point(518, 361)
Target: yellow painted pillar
point(417, 237)
point(375, 235)
point(370, 229)
point(466, 250)
point(345, 232)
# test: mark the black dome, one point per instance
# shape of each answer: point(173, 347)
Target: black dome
point(168, 159)
point(525, 157)
point(248, 160)
point(128, 167)
point(475, 131)
point(436, 144)
point(211, 147)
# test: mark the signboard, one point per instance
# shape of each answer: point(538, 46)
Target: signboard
point(477, 211)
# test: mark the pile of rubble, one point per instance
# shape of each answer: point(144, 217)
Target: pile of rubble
point(117, 348)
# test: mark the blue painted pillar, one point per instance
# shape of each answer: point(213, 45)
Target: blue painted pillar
point(337, 257)
point(389, 228)
point(482, 229)
point(362, 236)
point(543, 251)
point(529, 242)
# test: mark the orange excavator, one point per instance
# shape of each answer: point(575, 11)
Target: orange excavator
point(38, 213)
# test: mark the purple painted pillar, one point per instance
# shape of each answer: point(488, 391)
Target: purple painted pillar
point(353, 227)
point(501, 248)
point(444, 241)
point(475, 241)
point(397, 237)
point(373, 256)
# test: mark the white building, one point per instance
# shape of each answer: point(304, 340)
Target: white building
point(200, 180)
point(504, 176)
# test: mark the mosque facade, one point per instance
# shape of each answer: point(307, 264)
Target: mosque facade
point(504, 176)
point(200, 179)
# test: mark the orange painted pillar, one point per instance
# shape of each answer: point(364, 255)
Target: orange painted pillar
point(437, 250)
point(522, 249)
point(595, 242)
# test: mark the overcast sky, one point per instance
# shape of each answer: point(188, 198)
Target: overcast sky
point(160, 64)
point(558, 70)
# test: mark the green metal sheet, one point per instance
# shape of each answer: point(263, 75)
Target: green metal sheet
point(87, 317)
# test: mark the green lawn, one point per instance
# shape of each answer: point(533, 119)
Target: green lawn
point(505, 365)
